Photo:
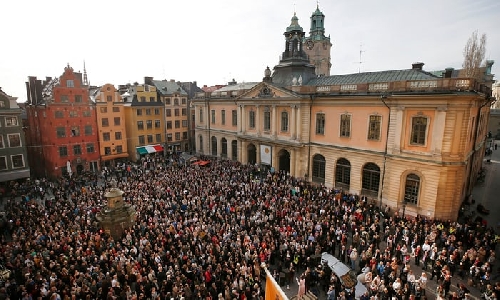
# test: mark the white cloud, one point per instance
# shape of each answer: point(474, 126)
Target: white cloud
point(212, 42)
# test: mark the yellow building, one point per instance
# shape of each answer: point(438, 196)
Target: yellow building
point(110, 123)
point(409, 139)
point(175, 100)
point(145, 121)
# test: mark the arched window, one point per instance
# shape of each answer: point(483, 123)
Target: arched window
point(318, 170)
point(234, 150)
point(343, 172)
point(201, 144)
point(371, 177)
point(214, 146)
point(224, 147)
point(412, 188)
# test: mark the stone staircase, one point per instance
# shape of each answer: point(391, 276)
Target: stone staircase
point(307, 296)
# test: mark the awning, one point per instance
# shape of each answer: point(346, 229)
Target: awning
point(149, 149)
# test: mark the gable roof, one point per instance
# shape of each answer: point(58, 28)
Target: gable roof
point(372, 77)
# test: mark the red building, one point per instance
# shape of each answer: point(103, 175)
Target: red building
point(62, 131)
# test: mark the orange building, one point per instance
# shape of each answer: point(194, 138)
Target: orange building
point(409, 139)
point(110, 123)
point(62, 126)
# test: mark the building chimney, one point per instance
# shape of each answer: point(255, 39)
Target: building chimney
point(172, 80)
point(448, 72)
point(417, 66)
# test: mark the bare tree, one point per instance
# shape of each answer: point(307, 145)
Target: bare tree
point(474, 52)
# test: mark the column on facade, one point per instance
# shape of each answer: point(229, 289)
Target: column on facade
point(298, 122)
point(293, 157)
point(438, 130)
point(243, 153)
point(398, 129)
point(292, 122)
point(257, 119)
point(274, 121)
point(242, 124)
point(257, 154)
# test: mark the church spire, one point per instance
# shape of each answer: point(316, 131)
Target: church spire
point(85, 80)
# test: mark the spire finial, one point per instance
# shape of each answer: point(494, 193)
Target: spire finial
point(85, 80)
point(317, 4)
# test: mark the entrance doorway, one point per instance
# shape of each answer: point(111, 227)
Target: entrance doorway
point(79, 169)
point(252, 154)
point(284, 161)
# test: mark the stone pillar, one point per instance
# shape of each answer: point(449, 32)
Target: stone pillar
point(438, 130)
point(274, 122)
point(293, 157)
point(298, 122)
point(398, 129)
point(243, 118)
point(243, 152)
point(293, 123)
point(257, 156)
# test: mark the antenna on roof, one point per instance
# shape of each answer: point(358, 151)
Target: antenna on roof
point(360, 55)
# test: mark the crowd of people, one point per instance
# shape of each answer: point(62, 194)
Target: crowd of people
point(208, 232)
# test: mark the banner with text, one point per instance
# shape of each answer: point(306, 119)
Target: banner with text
point(265, 154)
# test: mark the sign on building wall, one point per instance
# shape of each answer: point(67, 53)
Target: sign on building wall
point(265, 154)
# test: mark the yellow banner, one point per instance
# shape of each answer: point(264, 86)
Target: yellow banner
point(273, 290)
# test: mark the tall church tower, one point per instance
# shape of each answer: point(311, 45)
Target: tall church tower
point(317, 46)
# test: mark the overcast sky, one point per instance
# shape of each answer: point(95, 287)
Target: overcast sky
point(212, 42)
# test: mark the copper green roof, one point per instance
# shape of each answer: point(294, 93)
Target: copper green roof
point(372, 77)
point(294, 26)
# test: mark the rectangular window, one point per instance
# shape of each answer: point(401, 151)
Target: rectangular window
point(152, 99)
point(70, 83)
point(149, 124)
point(267, 119)
point(3, 163)
point(106, 136)
point(86, 113)
point(88, 129)
point(150, 138)
point(157, 124)
point(77, 149)
point(103, 109)
point(176, 101)
point(139, 112)
point(107, 150)
point(118, 135)
point(90, 148)
point(143, 99)
point(141, 140)
point(14, 140)
point(109, 98)
point(116, 109)
point(320, 123)
point(201, 115)
point(158, 138)
point(177, 124)
point(213, 116)
point(345, 125)
point(184, 101)
point(184, 123)
point(284, 121)
point(73, 114)
point(169, 124)
point(59, 114)
point(105, 122)
point(119, 149)
point(64, 98)
point(184, 135)
point(17, 161)
point(169, 112)
point(140, 125)
point(374, 128)
point(63, 151)
point(75, 130)
point(148, 111)
point(234, 117)
point(177, 136)
point(418, 130)
point(169, 137)
point(11, 121)
point(78, 98)
point(184, 112)
point(167, 101)
point(117, 121)
point(157, 111)
point(2, 145)
point(251, 119)
point(176, 112)
point(61, 132)
point(223, 117)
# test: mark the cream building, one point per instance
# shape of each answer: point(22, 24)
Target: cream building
point(407, 138)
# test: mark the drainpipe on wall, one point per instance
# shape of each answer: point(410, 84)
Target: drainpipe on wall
point(383, 98)
point(309, 142)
